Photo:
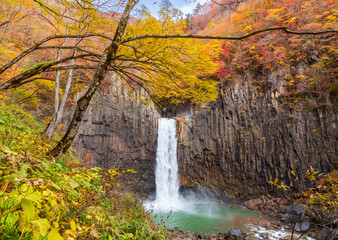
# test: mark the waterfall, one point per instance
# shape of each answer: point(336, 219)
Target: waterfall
point(166, 174)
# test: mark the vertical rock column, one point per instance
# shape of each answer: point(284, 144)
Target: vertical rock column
point(235, 146)
point(119, 131)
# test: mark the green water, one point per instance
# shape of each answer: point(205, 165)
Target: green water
point(207, 218)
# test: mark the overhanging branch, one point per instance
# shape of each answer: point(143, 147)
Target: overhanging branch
point(196, 36)
point(37, 46)
point(18, 79)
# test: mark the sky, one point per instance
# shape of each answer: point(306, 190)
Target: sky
point(186, 6)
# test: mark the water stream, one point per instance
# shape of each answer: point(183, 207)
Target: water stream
point(166, 174)
point(190, 213)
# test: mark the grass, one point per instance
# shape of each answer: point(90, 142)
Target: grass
point(45, 199)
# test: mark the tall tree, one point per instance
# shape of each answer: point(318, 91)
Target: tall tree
point(157, 56)
point(60, 105)
point(102, 69)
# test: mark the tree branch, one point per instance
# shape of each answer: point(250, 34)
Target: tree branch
point(168, 36)
point(19, 79)
point(37, 45)
point(48, 9)
point(4, 23)
point(70, 47)
point(70, 67)
point(82, 104)
point(37, 78)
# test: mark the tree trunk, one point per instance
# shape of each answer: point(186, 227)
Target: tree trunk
point(52, 125)
point(82, 104)
point(58, 114)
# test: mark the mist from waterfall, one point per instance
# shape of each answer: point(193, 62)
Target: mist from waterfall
point(192, 212)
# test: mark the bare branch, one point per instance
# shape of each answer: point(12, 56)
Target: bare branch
point(48, 9)
point(70, 67)
point(128, 76)
point(26, 99)
point(4, 23)
point(230, 6)
point(70, 47)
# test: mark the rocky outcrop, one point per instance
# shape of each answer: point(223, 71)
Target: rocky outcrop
point(229, 149)
point(119, 131)
point(233, 147)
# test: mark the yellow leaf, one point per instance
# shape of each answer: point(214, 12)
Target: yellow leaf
point(36, 235)
point(35, 196)
point(72, 225)
point(290, 20)
point(28, 208)
point(42, 224)
point(247, 28)
point(293, 173)
point(54, 234)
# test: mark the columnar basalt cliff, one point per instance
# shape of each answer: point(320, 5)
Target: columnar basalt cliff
point(119, 131)
point(233, 147)
point(229, 149)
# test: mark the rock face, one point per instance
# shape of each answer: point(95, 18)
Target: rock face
point(119, 131)
point(233, 147)
point(229, 149)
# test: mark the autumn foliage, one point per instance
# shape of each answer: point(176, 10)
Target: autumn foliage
point(308, 64)
point(174, 70)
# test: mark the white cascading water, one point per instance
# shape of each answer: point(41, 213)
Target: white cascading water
point(168, 199)
point(166, 173)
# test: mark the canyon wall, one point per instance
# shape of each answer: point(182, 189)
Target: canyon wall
point(233, 147)
point(120, 131)
point(229, 149)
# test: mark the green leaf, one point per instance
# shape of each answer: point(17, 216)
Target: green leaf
point(28, 208)
point(15, 195)
point(56, 186)
point(23, 171)
point(54, 234)
point(9, 150)
point(87, 184)
point(35, 196)
point(128, 236)
point(2, 121)
point(73, 183)
point(47, 166)
point(43, 225)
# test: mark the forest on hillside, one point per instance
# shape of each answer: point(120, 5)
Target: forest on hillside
point(55, 55)
point(55, 48)
point(310, 62)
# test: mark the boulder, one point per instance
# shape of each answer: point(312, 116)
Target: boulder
point(253, 203)
point(202, 235)
point(323, 233)
point(288, 237)
point(303, 226)
point(265, 235)
point(283, 209)
point(298, 210)
point(235, 232)
point(250, 204)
